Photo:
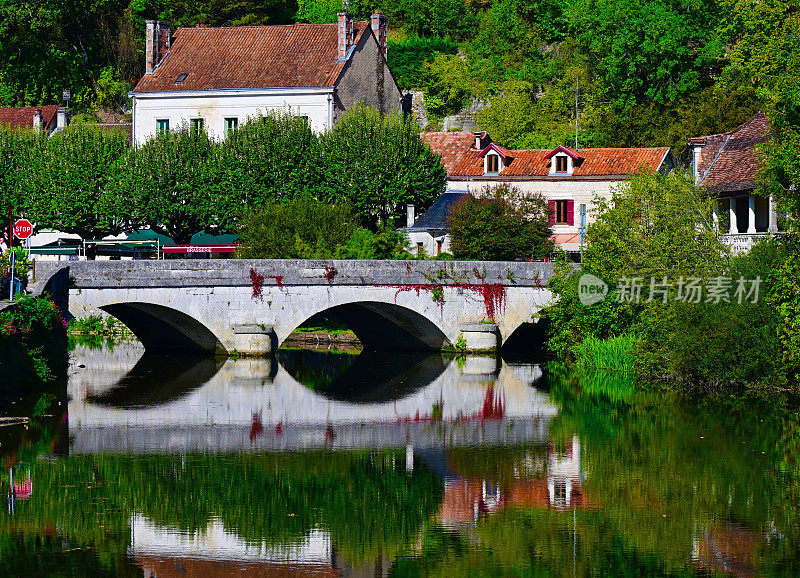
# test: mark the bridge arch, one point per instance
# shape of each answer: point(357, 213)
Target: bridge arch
point(380, 325)
point(162, 328)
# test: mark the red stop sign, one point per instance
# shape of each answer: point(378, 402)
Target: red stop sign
point(23, 229)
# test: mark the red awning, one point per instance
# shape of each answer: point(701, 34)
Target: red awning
point(182, 249)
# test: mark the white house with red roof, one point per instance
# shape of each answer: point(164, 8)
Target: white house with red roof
point(217, 78)
point(569, 179)
point(726, 166)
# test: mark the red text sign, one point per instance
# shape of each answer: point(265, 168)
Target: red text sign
point(23, 229)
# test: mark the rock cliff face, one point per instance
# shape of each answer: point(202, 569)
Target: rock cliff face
point(463, 120)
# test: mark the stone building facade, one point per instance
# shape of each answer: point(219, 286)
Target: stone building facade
point(217, 78)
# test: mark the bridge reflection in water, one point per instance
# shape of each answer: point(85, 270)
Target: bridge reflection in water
point(421, 407)
point(128, 401)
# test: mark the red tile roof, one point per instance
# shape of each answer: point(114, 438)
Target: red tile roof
point(296, 55)
point(728, 162)
point(22, 116)
point(450, 145)
point(461, 159)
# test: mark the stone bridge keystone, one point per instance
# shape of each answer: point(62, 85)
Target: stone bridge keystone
point(251, 306)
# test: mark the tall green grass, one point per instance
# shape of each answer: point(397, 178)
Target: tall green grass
point(616, 354)
point(607, 366)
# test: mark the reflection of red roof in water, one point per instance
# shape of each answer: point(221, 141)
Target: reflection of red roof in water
point(193, 568)
point(465, 498)
point(726, 549)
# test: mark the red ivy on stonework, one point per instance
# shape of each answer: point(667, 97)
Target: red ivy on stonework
point(257, 281)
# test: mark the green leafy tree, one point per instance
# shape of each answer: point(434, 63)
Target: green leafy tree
point(501, 223)
point(654, 226)
point(16, 152)
point(387, 243)
point(170, 184)
point(649, 51)
point(53, 46)
point(299, 228)
point(269, 158)
point(72, 180)
point(376, 164)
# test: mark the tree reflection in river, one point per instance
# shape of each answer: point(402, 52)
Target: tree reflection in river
point(607, 482)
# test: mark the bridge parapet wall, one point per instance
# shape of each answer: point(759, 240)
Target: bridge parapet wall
point(250, 306)
point(280, 272)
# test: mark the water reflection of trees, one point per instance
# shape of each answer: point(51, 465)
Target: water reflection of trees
point(675, 487)
point(368, 501)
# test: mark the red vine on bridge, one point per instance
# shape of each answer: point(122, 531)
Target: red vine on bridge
point(493, 294)
point(257, 281)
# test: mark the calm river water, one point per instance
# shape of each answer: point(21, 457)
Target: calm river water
point(324, 464)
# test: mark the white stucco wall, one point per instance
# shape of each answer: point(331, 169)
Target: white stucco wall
point(580, 191)
point(428, 240)
point(215, 106)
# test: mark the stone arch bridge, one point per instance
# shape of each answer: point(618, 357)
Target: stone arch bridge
point(251, 306)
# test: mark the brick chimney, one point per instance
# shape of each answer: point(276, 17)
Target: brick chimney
point(380, 28)
point(410, 216)
point(37, 119)
point(345, 34)
point(157, 43)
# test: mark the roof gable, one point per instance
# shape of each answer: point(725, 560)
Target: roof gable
point(242, 57)
point(461, 159)
point(493, 147)
point(591, 162)
point(562, 149)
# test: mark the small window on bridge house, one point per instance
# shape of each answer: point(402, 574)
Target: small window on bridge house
point(561, 164)
point(162, 126)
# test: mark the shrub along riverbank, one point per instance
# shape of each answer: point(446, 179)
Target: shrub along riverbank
point(33, 352)
point(681, 310)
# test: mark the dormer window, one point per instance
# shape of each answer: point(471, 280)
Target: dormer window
point(562, 161)
point(494, 158)
point(492, 164)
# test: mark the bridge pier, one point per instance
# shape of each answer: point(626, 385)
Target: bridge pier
point(253, 340)
point(480, 337)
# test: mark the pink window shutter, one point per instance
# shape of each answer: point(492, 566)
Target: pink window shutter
point(570, 213)
point(551, 205)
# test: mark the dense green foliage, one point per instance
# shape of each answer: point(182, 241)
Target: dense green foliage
point(377, 163)
point(500, 224)
point(69, 181)
point(647, 72)
point(32, 345)
point(87, 180)
point(170, 183)
point(657, 233)
point(269, 158)
point(300, 228)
